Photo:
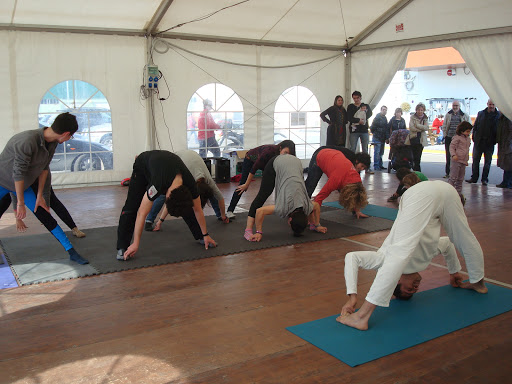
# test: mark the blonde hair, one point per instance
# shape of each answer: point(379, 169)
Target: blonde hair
point(410, 179)
point(353, 197)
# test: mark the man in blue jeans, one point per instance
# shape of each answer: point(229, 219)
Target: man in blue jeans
point(361, 127)
point(380, 132)
point(484, 139)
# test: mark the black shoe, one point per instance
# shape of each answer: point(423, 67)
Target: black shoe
point(471, 181)
point(484, 183)
point(447, 176)
point(393, 198)
point(501, 185)
point(148, 226)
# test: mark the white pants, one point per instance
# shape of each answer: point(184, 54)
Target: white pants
point(424, 207)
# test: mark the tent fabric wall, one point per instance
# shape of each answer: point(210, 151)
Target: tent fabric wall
point(258, 88)
point(38, 61)
point(373, 70)
point(490, 60)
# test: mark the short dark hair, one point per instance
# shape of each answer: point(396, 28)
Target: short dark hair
point(402, 172)
point(65, 122)
point(298, 222)
point(463, 126)
point(287, 144)
point(179, 202)
point(205, 191)
point(399, 294)
point(356, 93)
point(363, 158)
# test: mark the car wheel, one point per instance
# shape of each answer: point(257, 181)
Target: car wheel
point(106, 140)
point(87, 162)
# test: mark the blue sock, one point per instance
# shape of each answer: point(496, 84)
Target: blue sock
point(61, 237)
point(74, 256)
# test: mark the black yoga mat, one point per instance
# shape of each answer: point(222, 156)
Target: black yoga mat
point(39, 258)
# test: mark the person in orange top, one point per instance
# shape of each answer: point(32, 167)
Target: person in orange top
point(343, 177)
point(206, 131)
point(437, 124)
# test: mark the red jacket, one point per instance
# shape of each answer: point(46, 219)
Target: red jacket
point(206, 125)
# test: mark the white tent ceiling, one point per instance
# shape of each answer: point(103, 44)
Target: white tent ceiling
point(108, 42)
point(327, 23)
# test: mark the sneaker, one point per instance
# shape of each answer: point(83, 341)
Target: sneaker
point(369, 172)
point(446, 176)
point(148, 226)
point(484, 183)
point(248, 234)
point(77, 233)
point(230, 215)
point(501, 185)
point(471, 181)
point(393, 198)
point(383, 168)
point(201, 241)
point(120, 254)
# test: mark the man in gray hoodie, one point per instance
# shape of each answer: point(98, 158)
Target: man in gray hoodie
point(25, 159)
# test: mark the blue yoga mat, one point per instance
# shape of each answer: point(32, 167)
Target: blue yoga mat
point(371, 210)
point(427, 315)
point(7, 279)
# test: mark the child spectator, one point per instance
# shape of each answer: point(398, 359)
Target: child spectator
point(459, 152)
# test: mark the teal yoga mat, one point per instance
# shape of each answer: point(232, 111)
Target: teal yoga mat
point(404, 324)
point(371, 210)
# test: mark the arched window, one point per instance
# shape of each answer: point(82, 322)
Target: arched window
point(215, 120)
point(91, 147)
point(297, 117)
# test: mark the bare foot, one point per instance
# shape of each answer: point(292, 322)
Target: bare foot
point(478, 286)
point(20, 226)
point(353, 320)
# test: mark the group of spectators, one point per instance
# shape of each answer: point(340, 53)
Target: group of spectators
point(350, 126)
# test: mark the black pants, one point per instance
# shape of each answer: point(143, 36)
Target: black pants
point(246, 169)
point(447, 141)
point(42, 215)
point(314, 173)
point(136, 191)
point(417, 150)
point(267, 185)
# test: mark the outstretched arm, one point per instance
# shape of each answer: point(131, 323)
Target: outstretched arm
point(314, 218)
point(260, 216)
point(198, 211)
point(144, 208)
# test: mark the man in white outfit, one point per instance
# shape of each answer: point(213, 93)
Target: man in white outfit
point(413, 242)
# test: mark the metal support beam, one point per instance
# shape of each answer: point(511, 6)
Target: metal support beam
point(69, 29)
point(158, 16)
point(428, 40)
point(378, 23)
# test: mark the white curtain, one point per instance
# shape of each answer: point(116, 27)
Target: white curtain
point(490, 60)
point(373, 70)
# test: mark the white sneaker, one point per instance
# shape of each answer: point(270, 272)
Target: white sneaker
point(230, 215)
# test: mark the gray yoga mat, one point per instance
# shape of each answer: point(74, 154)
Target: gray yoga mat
point(39, 258)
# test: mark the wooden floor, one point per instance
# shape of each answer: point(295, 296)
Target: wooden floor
point(223, 319)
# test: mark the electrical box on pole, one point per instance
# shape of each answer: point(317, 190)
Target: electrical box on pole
point(151, 79)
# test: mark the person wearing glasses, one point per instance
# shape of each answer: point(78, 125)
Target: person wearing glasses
point(25, 159)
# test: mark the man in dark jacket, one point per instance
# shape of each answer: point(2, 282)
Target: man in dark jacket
point(361, 127)
point(484, 139)
point(380, 131)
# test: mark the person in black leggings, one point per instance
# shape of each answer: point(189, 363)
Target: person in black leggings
point(53, 203)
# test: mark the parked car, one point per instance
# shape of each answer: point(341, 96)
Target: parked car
point(77, 155)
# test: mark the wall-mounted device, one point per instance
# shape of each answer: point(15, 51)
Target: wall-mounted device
point(151, 80)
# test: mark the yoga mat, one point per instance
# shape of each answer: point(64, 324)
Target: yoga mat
point(7, 279)
point(371, 210)
point(428, 315)
point(39, 258)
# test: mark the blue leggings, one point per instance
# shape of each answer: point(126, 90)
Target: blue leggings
point(44, 217)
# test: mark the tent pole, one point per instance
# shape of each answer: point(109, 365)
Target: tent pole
point(150, 143)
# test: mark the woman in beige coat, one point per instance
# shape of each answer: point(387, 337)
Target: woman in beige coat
point(418, 126)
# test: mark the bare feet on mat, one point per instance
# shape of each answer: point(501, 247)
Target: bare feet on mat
point(478, 286)
point(353, 320)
